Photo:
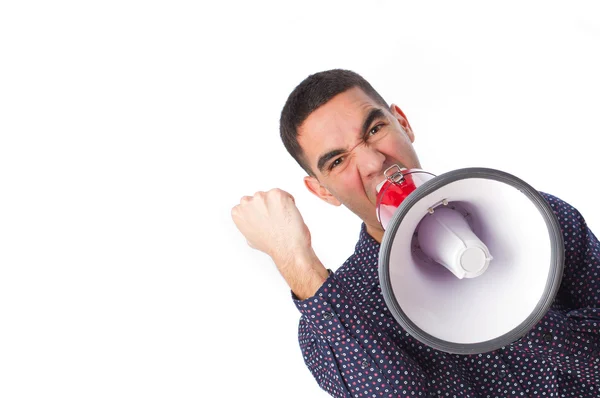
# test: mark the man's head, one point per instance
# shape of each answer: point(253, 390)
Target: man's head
point(344, 135)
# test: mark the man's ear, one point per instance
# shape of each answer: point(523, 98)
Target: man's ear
point(314, 186)
point(398, 114)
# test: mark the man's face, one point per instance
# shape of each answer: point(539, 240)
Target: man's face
point(348, 143)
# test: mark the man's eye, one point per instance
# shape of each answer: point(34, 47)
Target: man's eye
point(336, 163)
point(375, 129)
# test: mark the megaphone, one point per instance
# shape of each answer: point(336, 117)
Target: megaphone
point(470, 260)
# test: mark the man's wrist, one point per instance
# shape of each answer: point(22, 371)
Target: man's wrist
point(304, 274)
point(310, 285)
point(313, 283)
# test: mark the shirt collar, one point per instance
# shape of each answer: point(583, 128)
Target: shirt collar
point(365, 239)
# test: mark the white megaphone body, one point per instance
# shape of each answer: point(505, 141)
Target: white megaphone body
point(470, 260)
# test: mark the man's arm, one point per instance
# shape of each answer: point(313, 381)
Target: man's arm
point(343, 351)
point(347, 354)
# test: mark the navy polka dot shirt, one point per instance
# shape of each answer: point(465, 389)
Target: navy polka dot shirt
point(354, 347)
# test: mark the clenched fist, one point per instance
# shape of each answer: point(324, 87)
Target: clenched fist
point(271, 223)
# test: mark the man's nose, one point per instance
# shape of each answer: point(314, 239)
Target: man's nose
point(370, 161)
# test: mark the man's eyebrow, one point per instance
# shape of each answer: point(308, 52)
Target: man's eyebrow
point(327, 157)
point(374, 114)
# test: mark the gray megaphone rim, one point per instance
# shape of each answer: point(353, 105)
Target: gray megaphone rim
point(552, 283)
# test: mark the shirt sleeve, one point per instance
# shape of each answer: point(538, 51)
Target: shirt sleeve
point(346, 354)
point(580, 286)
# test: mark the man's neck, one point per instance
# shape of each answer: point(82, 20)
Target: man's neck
point(375, 232)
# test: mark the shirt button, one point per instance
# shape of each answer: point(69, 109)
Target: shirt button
point(364, 364)
point(327, 315)
point(502, 374)
point(547, 337)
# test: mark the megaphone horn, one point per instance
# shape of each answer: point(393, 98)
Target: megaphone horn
point(470, 260)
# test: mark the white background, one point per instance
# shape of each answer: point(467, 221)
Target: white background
point(129, 129)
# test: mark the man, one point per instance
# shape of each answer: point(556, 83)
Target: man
point(344, 135)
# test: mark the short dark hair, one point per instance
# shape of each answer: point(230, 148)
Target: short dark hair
point(314, 91)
